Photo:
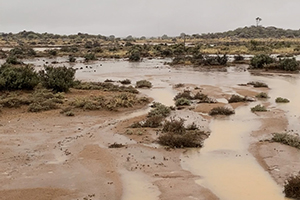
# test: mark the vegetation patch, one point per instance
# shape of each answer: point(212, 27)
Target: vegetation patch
point(143, 84)
point(175, 135)
point(182, 102)
point(221, 111)
point(106, 86)
point(159, 110)
point(116, 145)
point(259, 108)
point(288, 139)
point(236, 98)
point(258, 84)
point(281, 100)
point(292, 187)
point(185, 94)
point(262, 95)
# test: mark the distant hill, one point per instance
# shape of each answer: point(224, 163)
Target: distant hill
point(253, 32)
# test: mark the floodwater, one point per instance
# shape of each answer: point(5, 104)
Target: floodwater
point(224, 164)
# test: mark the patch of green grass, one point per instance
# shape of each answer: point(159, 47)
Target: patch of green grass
point(259, 108)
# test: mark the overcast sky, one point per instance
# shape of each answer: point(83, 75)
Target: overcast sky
point(144, 17)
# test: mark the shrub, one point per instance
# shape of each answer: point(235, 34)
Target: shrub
point(287, 139)
point(281, 100)
point(179, 85)
point(72, 58)
point(262, 95)
point(125, 82)
point(259, 61)
point(182, 102)
point(89, 56)
point(116, 145)
point(221, 111)
point(259, 108)
point(153, 122)
point(289, 64)
point(238, 58)
point(159, 110)
point(257, 84)
point(135, 55)
point(185, 94)
point(13, 100)
point(18, 78)
point(59, 79)
point(236, 98)
point(292, 187)
point(176, 136)
point(13, 60)
point(143, 84)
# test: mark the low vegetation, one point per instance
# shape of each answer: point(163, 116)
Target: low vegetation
point(259, 108)
point(288, 139)
point(221, 111)
point(281, 100)
point(258, 84)
point(143, 84)
point(175, 135)
point(262, 95)
point(292, 187)
point(182, 102)
point(236, 98)
point(104, 86)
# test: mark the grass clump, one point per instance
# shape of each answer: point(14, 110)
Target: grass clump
point(143, 84)
point(125, 82)
point(259, 108)
point(262, 95)
point(185, 94)
point(221, 111)
point(182, 102)
point(13, 100)
point(292, 187)
point(281, 100)
point(175, 135)
point(116, 145)
point(257, 84)
point(288, 139)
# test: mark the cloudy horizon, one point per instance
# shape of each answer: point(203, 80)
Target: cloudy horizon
point(143, 17)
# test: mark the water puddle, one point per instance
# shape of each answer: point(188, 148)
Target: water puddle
point(137, 187)
point(224, 164)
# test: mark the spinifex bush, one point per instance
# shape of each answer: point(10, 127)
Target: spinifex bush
point(159, 110)
point(18, 78)
point(59, 79)
point(259, 61)
point(292, 187)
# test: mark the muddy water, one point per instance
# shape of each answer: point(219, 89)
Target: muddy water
point(225, 165)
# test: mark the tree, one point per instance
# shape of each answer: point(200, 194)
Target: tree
point(258, 20)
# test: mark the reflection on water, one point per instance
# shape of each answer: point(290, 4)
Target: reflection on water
point(225, 165)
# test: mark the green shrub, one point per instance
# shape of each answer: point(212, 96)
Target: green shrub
point(292, 187)
point(143, 84)
point(185, 94)
point(238, 58)
point(13, 100)
point(257, 84)
point(289, 64)
point(236, 98)
point(182, 102)
point(262, 95)
point(59, 79)
point(175, 135)
point(18, 78)
point(72, 58)
point(13, 60)
point(89, 56)
point(287, 139)
point(221, 111)
point(107, 86)
point(281, 100)
point(259, 108)
point(259, 61)
point(153, 122)
point(135, 55)
point(159, 110)
point(125, 82)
